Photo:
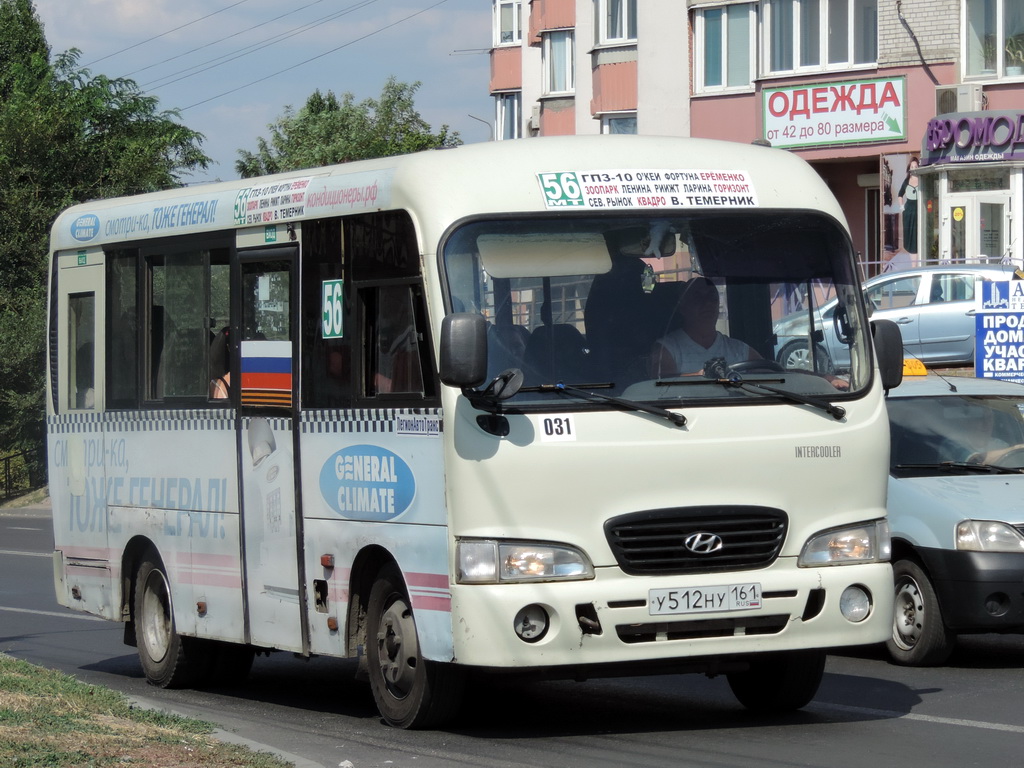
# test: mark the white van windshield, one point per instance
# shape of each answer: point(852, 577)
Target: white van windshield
point(662, 308)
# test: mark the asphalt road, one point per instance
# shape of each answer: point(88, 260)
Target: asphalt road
point(867, 713)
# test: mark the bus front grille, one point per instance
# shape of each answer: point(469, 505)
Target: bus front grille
point(696, 539)
point(701, 629)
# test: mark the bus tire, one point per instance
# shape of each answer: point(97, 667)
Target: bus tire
point(919, 635)
point(410, 691)
point(779, 682)
point(168, 659)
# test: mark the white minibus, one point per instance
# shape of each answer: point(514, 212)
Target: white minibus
point(506, 407)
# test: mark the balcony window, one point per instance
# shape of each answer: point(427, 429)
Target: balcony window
point(618, 122)
point(507, 121)
point(616, 21)
point(994, 38)
point(816, 35)
point(508, 22)
point(725, 45)
point(559, 66)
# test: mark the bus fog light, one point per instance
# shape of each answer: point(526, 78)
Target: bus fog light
point(855, 604)
point(531, 623)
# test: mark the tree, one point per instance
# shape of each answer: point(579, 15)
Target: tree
point(325, 131)
point(66, 136)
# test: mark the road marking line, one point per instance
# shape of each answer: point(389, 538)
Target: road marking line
point(923, 718)
point(27, 554)
point(69, 615)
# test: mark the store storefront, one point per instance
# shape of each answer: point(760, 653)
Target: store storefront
point(971, 189)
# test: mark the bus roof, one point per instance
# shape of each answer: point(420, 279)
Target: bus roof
point(440, 187)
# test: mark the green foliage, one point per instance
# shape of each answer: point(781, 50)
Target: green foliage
point(48, 718)
point(325, 131)
point(66, 136)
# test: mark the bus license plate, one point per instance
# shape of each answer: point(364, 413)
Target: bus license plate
point(732, 597)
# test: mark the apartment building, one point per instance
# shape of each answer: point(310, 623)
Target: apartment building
point(911, 110)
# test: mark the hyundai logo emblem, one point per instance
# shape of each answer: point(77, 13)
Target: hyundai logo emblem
point(703, 543)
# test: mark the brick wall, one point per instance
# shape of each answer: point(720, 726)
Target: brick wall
point(935, 24)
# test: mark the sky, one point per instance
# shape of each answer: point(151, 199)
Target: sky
point(232, 66)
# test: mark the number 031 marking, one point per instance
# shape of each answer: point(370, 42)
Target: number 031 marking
point(557, 429)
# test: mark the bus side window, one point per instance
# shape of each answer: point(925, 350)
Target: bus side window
point(122, 334)
point(395, 365)
point(189, 297)
point(81, 350)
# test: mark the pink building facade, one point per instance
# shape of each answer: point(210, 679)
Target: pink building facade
point(911, 110)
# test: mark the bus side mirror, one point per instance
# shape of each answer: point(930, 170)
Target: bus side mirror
point(889, 351)
point(463, 350)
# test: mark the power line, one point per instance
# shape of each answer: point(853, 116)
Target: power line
point(227, 58)
point(314, 58)
point(164, 34)
point(222, 39)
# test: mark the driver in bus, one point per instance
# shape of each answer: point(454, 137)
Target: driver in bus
point(685, 350)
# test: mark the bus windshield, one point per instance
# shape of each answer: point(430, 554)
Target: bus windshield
point(667, 308)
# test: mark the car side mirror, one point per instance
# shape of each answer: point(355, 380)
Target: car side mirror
point(888, 351)
point(463, 360)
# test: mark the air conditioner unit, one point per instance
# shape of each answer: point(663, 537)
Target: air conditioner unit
point(962, 97)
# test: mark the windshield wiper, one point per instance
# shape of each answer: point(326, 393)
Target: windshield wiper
point(735, 380)
point(966, 467)
point(628, 405)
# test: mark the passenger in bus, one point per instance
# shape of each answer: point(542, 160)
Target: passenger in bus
point(220, 373)
point(696, 340)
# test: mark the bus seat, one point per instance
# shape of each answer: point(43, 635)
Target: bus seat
point(556, 353)
point(617, 317)
point(506, 348)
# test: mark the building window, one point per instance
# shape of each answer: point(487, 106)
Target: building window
point(559, 66)
point(616, 20)
point(619, 122)
point(809, 35)
point(508, 22)
point(507, 122)
point(994, 32)
point(725, 44)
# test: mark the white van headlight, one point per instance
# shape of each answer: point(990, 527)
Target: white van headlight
point(486, 561)
point(863, 543)
point(988, 536)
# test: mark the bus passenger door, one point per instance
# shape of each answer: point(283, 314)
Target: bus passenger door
point(267, 462)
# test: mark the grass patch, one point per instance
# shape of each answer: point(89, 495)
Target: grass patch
point(51, 719)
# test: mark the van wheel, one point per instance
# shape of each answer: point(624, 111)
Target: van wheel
point(779, 682)
point(168, 659)
point(410, 692)
point(796, 355)
point(919, 636)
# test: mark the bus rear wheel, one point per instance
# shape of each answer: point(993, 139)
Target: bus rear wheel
point(779, 682)
point(410, 691)
point(168, 659)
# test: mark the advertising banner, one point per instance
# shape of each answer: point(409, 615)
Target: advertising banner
point(846, 112)
point(999, 328)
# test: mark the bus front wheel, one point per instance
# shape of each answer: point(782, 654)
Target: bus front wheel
point(168, 659)
point(779, 682)
point(410, 691)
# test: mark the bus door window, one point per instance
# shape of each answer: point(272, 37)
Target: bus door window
point(82, 350)
point(266, 338)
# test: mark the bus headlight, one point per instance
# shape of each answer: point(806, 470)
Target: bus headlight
point(485, 561)
point(988, 536)
point(864, 543)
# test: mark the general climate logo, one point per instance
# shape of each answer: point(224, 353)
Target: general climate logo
point(367, 482)
point(85, 227)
